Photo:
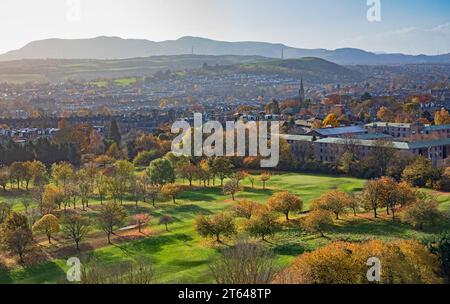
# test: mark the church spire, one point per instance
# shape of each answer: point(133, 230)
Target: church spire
point(301, 92)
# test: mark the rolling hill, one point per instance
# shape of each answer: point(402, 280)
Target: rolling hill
point(56, 70)
point(118, 48)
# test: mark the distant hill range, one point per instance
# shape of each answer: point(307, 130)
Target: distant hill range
point(118, 48)
point(313, 70)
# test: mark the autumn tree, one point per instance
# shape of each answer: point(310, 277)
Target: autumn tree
point(172, 191)
point(371, 197)
point(75, 227)
point(285, 202)
point(16, 235)
point(335, 201)
point(246, 209)
point(141, 220)
point(423, 212)
point(110, 216)
point(403, 262)
point(215, 226)
point(48, 225)
point(442, 117)
point(5, 211)
point(188, 171)
point(319, 221)
point(420, 173)
point(166, 220)
point(222, 167)
point(232, 187)
point(264, 178)
point(331, 121)
point(263, 224)
point(4, 178)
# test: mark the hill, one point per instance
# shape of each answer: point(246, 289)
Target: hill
point(118, 48)
point(57, 70)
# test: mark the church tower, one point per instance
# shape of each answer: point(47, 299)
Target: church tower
point(301, 92)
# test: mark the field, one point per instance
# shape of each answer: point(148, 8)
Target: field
point(181, 256)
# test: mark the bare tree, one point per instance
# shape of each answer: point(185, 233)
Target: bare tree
point(245, 263)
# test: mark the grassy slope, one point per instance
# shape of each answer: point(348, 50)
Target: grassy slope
point(182, 256)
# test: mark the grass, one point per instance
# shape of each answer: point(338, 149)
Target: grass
point(181, 256)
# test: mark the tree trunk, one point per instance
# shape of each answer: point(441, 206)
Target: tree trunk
point(49, 238)
point(167, 228)
point(287, 216)
point(78, 245)
point(375, 212)
point(109, 238)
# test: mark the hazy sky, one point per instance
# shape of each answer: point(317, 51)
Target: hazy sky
point(408, 26)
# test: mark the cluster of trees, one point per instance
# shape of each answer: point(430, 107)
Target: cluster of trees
point(404, 262)
point(261, 221)
point(42, 150)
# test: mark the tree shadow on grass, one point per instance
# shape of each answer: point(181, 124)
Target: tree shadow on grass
point(153, 245)
point(291, 249)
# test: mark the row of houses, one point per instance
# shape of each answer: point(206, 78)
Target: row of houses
point(23, 135)
point(329, 144)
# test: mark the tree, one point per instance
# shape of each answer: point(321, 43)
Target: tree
point(141, 220)
point(171, 190)
point(232, 187)
point(48, 225)
point(215, 226)
point(144, 158)
point(113, 152)
point(335, 201)
point(222, 167)
point(161, 172)
point(123, 177)
point(319, 221)
point(331, 121)
point(166, 220)
point(101, 183)
point(252, 180)
point(442, 117)
point(371, 197)
point(4, 178)
point(75, 227)
point(17, 172)
point(285, 202)
point(153, 192)
point(188, 171)
point(246, 209)
point(16, 235)
point(104, 160)
point(110, 216)
point(264, 178)
point(114, 133)
point(441, 248)
point(5, 211)
point(245, 263)
point(403, 262)
point(52, 198)
point(262, 225)
point(420, 173)
point(423, 212)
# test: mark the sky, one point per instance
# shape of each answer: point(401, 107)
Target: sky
point(406, 26)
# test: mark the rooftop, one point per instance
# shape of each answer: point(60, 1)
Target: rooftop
point(340, 131)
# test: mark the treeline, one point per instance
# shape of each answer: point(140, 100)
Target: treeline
point(42, 150)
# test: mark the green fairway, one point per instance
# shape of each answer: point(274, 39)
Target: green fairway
point(181, 256)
